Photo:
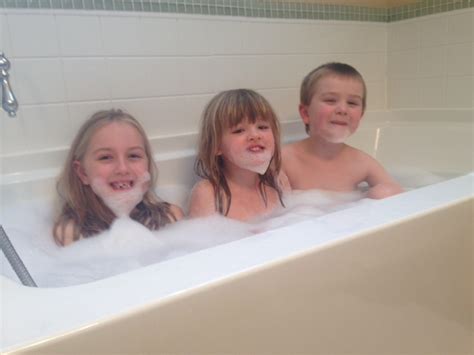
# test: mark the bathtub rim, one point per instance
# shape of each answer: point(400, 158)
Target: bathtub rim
point(15, 296)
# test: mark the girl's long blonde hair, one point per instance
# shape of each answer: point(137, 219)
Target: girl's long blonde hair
point(81, 206)
point(226, 110)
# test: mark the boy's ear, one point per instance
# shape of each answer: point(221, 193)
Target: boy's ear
point(303, 109)
point(79, 169)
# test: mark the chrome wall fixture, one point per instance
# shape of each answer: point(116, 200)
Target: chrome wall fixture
point(9, 101)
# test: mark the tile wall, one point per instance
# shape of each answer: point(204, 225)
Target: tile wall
point(430, 62)
point(164, 68)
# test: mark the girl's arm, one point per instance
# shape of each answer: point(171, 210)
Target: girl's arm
point(177, 212)
point(381, 183)
point(64, 232)
point(202, 200)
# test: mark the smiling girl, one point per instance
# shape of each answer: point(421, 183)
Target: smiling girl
point(109, 173)
point(239, 158)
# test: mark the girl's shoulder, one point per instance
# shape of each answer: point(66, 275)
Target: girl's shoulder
point(202, 200)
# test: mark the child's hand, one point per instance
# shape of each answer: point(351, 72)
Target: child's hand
point(122, 202)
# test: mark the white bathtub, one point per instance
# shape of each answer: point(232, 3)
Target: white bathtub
point(389, 276)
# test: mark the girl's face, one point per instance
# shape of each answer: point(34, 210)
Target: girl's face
point(335, 109)
point(115, 158)
point(248, 146)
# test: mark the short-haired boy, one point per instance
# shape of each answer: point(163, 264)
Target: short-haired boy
point(332, 103)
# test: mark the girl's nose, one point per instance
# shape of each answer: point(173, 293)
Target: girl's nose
point(254, 133)
point(122, 166)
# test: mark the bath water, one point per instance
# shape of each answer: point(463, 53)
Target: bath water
point(128, 245)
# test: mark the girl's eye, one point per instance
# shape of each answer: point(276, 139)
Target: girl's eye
point(237, 130)
point(354, 103)
point(263, 127)
point(135, 156)
point(104, 157)
point(330, 100)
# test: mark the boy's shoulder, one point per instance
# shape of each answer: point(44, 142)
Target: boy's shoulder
point(293, 147)
point(358, 154)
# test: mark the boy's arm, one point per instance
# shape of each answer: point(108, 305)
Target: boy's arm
point(283, 182)
point(202, 203)
point(381, 183)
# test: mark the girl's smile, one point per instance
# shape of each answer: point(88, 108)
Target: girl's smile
point(248, 146)
point(115, 156)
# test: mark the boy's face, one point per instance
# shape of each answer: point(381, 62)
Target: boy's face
point(335, 109)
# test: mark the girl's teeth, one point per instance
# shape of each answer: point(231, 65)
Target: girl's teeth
point(122, 185)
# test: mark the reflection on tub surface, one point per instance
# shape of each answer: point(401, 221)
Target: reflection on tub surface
point(129, 245)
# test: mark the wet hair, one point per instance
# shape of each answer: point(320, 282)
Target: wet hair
point(310, 81)
point(82, 208)
point(226, 110)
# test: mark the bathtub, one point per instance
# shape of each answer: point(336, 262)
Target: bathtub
point(389, 276)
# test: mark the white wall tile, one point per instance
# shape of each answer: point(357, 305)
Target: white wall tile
point(167, 115)
point(4, 36)
point(432, 92)
point(47, 126)
point(297, 38)
point(142, 77)
point(33, 35)
point(81, 111)
point(277, 71)
point(460, 27)
point(194, 36)
point(459, 92)
point(376, 95)
point(403, 93)
point(37, 81)
point(79, 35)
point(234, 72)
point(433, 31)
point(226, 37)
point(262, 38)
point(402, 36)
point(403, 64)
point(121, 36)
point(432, 61)
point(158, 36)
point(460, 59)
point(372, 66)
point(86, 79)
point(284, 102)
point(12, 134)
point(148, 77)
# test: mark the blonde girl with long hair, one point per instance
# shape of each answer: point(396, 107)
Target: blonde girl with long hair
point(238, 158)
point(109, 173)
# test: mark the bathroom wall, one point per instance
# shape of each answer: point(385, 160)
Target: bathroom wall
point(430, 62)
point(163, 68)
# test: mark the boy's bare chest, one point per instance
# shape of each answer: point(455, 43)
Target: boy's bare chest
point(343, 174)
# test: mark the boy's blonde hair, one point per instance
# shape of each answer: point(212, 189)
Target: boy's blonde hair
point(226, 110)
point(81, 206)
point(310, 81)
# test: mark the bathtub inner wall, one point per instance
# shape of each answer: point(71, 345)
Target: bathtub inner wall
point(373, 291)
